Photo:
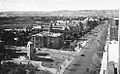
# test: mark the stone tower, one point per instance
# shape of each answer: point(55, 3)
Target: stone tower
point(30, 50)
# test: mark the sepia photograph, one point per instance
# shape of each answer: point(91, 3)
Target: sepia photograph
point(59, 37)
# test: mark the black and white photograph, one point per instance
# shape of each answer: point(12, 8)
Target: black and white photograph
point(59, 37)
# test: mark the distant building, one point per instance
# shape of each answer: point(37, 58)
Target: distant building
point(55, 42)
point(114, 29)
point(116, 21)
point(48, 40)
point(76, 27)
point(61, 22)
point(71, 26)
point(37, 27)
point(38, 40)
point(60, 26)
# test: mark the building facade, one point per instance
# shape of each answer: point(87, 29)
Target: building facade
point(48, 40)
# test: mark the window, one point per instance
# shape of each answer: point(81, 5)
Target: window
point(32, 39)
point(37, 38)
point(36, 44)
point(41, 39)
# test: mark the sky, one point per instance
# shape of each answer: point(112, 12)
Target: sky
point(55, 5)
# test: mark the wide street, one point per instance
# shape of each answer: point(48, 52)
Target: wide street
point(82, 64)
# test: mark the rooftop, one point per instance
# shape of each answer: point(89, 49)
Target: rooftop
point(54, 34)
point(46, 33)
point(116, 18)
point(39, 34)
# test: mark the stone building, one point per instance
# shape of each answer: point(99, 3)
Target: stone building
point(48, 40)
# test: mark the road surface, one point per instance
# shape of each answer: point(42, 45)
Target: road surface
point(82, 64)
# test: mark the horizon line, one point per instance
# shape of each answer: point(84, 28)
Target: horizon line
point(59, 10)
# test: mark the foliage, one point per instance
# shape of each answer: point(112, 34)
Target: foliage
point(12, 68)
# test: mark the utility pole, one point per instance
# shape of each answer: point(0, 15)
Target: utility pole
point(108, 42)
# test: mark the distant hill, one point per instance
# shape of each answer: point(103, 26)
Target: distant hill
point(114, 13)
